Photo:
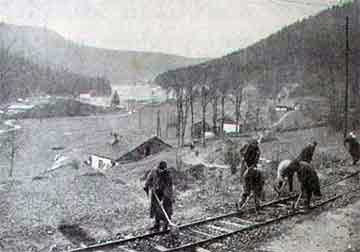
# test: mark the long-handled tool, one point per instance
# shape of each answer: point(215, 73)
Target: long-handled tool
point(279, 190)
point(244, 204)
point(173, 227)
point(297, 201)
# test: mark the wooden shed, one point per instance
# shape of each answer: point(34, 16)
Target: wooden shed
point(125, 151)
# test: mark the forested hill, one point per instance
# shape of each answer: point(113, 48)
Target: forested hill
point(21, 78)
point(310, 52)
point(46, 47)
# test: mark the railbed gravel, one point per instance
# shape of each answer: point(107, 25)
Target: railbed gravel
point(248, 240)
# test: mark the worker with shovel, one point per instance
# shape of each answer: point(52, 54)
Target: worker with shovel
point(353, 146)
point(252, 178)
point(160, 186)
point(251, 155)
point(254, 181)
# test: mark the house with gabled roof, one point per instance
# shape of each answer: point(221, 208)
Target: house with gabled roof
point(126, 149)
point(229, 124)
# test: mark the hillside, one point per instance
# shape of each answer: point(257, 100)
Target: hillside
point(309, 52)
point(44, 46)
point(20, 78)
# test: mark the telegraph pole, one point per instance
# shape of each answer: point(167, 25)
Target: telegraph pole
point(346, 78)
point(140, 119)
point(158, 124)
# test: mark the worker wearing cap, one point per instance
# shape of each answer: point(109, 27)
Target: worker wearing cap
point(353, 147)
point(159, 182)
point(254, 181)
point(307, 152)
point(251, 153)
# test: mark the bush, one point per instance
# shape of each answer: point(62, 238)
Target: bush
point(115, 99)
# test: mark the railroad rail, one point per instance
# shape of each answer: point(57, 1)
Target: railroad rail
point(194, 235)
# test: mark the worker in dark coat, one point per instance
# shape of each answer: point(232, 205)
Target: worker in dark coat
point(254, 181)
point(353, 147)
point(307, 153)
point(309, 181)
point(251, 154)
point(159, 182)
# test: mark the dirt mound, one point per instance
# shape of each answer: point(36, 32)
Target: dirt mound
point(195, 171)
point(75, 234)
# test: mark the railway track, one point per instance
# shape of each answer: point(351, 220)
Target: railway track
point(196, 235)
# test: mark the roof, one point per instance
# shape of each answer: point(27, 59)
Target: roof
point(199, 123)
point(227, 119)
point(126, 144)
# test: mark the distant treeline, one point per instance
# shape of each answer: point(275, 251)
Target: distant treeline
point(310, 52)
point(21, 78)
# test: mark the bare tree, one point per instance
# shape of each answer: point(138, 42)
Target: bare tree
point(185, 112)
point(236, 98)
point(226, 77)
point(204, 86)
point(204, 102)
point(10, 144)
point(214, 101)
point(194, 79)
point(6, 69)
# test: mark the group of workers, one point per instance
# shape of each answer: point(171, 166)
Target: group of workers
point(159, 182)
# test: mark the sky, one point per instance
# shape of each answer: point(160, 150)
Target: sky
point(192, 28)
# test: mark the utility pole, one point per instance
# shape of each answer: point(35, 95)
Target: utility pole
point(346, 78)
point(140, 110)
point(257, 119)
point(152, 111)
point(12, 153)
point(167, 107)
point(167, 125)
point(158, 126)
point(203, 97)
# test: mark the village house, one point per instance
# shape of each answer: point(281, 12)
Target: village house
point(125, 151)
point(229, 124)
point(87, 95)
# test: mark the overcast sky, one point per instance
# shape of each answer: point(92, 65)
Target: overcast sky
point(195, 28)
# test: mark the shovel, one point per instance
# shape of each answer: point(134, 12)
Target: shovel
point(173, 227)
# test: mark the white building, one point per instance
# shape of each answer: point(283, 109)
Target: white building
point(230, 127)
point(85, 96)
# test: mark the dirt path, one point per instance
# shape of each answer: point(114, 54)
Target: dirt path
point(337, 230)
